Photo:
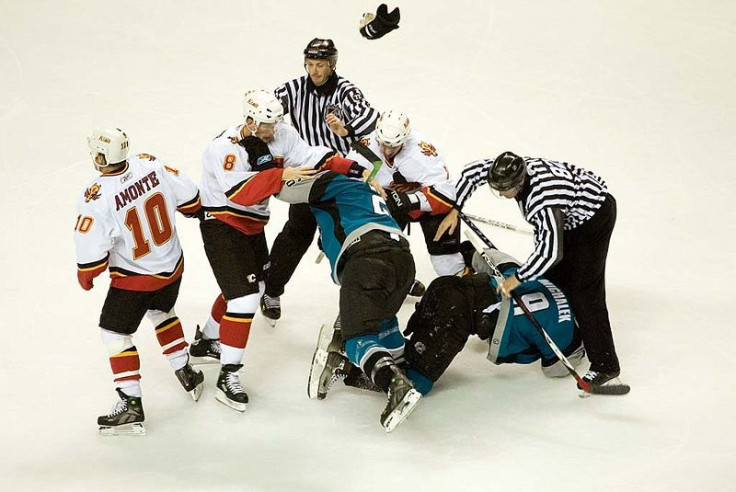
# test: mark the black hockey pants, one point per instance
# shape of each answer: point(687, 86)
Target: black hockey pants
point(581, 275)
point(289, 247)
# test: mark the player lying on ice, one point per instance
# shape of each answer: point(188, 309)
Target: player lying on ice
point(453, 309)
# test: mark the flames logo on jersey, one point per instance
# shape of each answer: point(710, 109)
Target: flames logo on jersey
point(365, 141)
point(428, 149)
point(92, 193)
point(147, 156)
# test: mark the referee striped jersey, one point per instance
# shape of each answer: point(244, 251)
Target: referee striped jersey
point(308, 106)
point(557, 197)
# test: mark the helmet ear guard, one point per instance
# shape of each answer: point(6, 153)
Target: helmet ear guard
point(108, 146)
point(392, 128)
point(506, 172)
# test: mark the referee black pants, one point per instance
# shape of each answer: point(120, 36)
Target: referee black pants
point(581, 275)
point(289, 247)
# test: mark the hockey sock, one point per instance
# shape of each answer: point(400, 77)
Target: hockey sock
point(211, 330)
point(124, 362)
point(392, 339)
point(234, 332)
point(170, 336)
point(369, 354)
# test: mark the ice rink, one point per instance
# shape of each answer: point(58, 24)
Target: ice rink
point(642, 93)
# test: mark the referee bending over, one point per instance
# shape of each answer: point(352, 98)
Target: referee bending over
point(572, 213)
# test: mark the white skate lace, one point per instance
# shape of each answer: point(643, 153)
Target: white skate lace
point(232, 381)
point(271, 302)
point(120, 407)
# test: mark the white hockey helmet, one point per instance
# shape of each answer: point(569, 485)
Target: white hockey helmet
point(392, 128)
point(110, 143)
point(262, 107)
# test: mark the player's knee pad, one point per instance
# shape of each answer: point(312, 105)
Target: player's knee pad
point(158, 317)
point(452, 264)
point(115, 343)
point(244, 304)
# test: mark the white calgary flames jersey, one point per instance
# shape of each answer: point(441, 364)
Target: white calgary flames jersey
point(126, 222)
point(225, 166)
point(420, 163)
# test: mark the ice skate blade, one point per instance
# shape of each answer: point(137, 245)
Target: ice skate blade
point(202, 361)
point(270, 321)
point(197, 392)
point(401, 413)
point(319, 360)
point(222, 398)
point(135, 429)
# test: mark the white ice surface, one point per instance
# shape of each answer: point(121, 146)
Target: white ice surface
point(644, 93)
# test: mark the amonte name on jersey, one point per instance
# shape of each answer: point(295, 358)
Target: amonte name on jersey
point(135, 190)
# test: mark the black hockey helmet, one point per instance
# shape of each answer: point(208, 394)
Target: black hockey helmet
point(321, 49)
point(507, 171)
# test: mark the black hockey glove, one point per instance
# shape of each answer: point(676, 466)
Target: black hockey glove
point(378, 25)
point(259, 155)
point(400, 203)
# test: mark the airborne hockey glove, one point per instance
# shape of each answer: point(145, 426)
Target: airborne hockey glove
point(378, 25)
point(400, 203)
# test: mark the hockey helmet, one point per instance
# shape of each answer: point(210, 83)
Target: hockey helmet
point(392, 128)
point(321, 49)
point(506, 172)
point(108, 146)
point(262, 107)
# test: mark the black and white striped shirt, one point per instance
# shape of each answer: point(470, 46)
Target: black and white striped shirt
point(557, 196)
point(308, 106)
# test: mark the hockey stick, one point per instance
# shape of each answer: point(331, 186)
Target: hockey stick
point(371, 157)
point(501, 225)
point(611, 389)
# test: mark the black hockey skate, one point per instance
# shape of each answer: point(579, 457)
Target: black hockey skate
point(204, 350)
point(271, 308)
point(595, 378)
point(125, 419)
point(326, 361)
point(229, 390)
point(417, 289)
point(402, 400)
point(356, 378)
point(192, 380)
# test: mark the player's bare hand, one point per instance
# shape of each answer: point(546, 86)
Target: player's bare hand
point(336, 125)
point(294, 173)
point(448, 225)
point(508, 286)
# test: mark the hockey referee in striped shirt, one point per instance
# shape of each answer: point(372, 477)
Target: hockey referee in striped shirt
point(326, 109)
point(573, 217)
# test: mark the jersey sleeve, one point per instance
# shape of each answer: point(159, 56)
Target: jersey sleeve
point(93, 238)
point(298, 153)
point(548, 230)
point(361, 116)
point(472, 176)
point(185, 190)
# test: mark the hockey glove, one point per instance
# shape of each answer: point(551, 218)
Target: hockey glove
point(400, 203)
point(378, 25)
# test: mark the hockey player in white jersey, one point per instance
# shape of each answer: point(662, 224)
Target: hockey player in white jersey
point(126, 224)
point(233, 235)
point(417, 185)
